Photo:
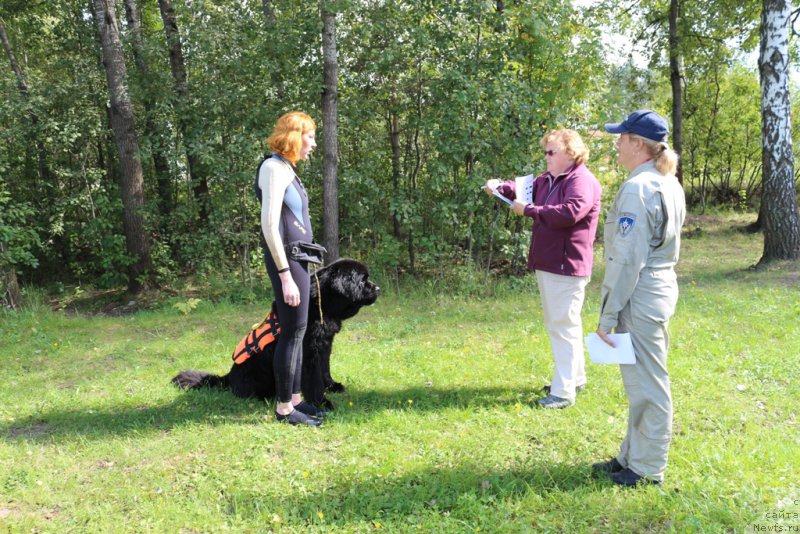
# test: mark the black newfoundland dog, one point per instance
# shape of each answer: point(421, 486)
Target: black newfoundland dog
point(344, 287)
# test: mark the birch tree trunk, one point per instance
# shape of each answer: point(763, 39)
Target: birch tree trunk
point(156, 139)
point(781, 222)
point(123, 124)
point(330, 139)
point(186, 123)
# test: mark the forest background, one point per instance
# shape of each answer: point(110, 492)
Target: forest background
point(431, 99)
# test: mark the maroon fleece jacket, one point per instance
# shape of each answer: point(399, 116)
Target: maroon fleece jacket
point(565, 211)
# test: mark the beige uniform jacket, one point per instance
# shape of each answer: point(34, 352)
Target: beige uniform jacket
point(642, 231)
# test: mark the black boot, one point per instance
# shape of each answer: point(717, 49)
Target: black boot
point(298, 418)
point(607, 468)
point(626, 477)
point(310, 409)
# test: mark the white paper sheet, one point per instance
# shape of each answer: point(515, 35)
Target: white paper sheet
point(599, 352)
point(496, 193)
point(524, 187)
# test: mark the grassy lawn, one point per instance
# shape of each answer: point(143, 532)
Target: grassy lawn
point(437, 431)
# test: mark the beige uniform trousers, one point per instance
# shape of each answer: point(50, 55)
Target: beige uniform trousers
point(562, 300)
point(645, 447)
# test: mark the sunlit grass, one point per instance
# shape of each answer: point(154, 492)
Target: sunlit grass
point(436, 433)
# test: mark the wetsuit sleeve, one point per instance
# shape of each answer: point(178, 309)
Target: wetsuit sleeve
point(273, 181)
point(579, 201)
point(626, 256)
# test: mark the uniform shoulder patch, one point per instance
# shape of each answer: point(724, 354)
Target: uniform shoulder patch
point(626, 222)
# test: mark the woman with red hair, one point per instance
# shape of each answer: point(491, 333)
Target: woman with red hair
point(285, 225)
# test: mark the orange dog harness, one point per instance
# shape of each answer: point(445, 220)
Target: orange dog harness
point(256, 341)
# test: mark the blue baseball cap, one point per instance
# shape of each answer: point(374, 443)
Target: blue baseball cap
point(644, 122)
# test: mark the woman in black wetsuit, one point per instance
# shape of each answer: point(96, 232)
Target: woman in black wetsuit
point(284, 220)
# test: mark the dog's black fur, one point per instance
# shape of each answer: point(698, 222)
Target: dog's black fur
point(345, 288)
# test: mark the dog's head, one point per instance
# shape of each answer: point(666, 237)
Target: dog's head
point(345, 287)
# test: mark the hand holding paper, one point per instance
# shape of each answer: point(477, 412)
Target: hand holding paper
point(501, 197)
point(492, 186)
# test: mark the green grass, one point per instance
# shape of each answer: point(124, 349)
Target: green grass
point(436, 432)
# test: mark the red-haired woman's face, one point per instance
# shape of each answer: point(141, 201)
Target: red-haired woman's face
point(309, 143)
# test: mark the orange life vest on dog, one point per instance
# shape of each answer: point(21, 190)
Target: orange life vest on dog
point(256, 341)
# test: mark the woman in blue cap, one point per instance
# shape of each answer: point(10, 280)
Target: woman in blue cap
point(640, 290)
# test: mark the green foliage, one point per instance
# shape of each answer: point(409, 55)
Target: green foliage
point(721, 98)
point(435, 97)
point(187, 306)
point(18, 240)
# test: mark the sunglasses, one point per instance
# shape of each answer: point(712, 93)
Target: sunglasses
point(550, 152)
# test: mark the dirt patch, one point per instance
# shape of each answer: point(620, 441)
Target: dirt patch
point(35, 430)
point(696, 224)
point(48, 513)
point(51, 513)
point(104, 464)
point(792, 277)
point(701, 220)
point(110, 302)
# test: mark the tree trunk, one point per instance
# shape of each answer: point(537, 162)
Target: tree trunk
point(197, 173)
point(272, 56)
point(153, 134)
point(676, 79)
point(394, 139)
point(779, 197)
point(22, 84)
point(330, 139)
point(269, 15)
point(10, 294)
point(123, 124)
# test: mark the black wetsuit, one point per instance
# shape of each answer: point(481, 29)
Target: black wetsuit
point(295, 225)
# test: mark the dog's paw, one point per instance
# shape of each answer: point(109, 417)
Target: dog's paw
point(336, 387)
point(326, 404)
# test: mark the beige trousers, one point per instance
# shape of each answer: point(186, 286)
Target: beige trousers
point(562, 300)
point(646, 445)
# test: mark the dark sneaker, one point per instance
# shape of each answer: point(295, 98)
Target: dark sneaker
point(310, 409)
point(578, 389)
point(298, 418)
point(628, 478)
point(553, 402)
point(607, 468)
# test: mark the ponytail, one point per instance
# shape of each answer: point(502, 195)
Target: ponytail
point(666, 160)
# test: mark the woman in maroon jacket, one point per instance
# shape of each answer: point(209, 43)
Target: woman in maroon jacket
point(565, 210)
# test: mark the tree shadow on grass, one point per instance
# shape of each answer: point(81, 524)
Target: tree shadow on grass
point(216, 407)
point(431, 398)
point(207, 407)
point(412, 498)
